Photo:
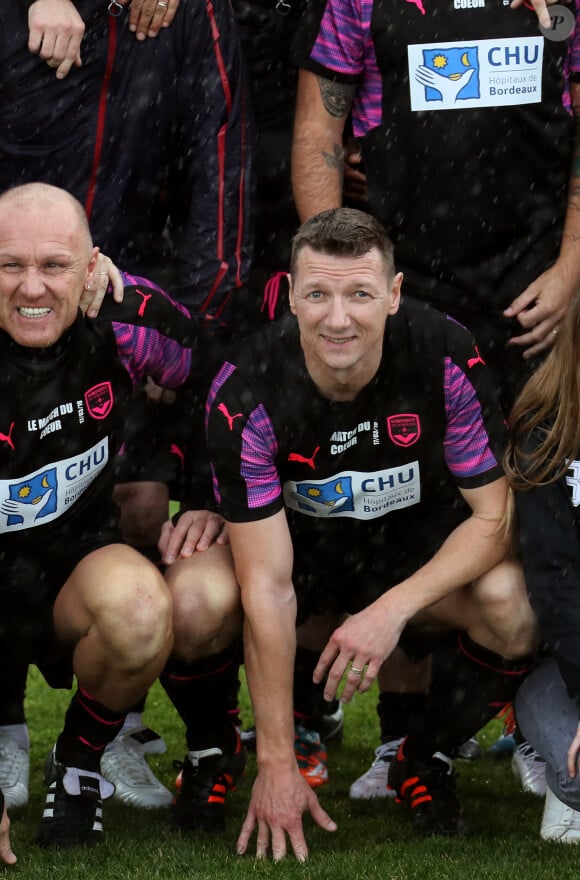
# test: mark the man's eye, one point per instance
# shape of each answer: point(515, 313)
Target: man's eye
point(315, 294)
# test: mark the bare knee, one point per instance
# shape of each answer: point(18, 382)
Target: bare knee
point(207, 610)
point(504, 620)
point(132, 617)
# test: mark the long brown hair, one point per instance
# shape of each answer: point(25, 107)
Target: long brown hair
point(549, 406)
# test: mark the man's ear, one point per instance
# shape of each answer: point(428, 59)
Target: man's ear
point(396, 293)
point(92, 265)
point(291, 295)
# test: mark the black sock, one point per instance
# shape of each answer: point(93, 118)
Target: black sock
point(88, 728)
point(398, 713)
point(309, 702)
point(205, 694)
point(470, 685)
point(140, 706)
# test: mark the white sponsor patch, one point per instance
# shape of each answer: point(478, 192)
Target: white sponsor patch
point(479, 73)
point(44, 495)
point(355, 494)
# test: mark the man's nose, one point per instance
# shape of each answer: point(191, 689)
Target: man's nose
point(338, 315)
point(32, 283)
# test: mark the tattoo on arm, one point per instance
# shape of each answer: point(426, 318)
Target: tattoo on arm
point(336, 97)
point(336, 159)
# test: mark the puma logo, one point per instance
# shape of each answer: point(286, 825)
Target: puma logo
point(476, 360)
point(295, 456)
point(7, 438)
point(143, 306)
point(175, 450)
point(230, 419)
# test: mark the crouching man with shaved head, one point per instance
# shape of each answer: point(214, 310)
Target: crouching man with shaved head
point(74, 596)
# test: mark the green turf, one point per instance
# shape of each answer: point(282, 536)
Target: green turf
point(373, 840)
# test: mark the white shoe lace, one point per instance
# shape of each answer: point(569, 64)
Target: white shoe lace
point(126, 763)
point(386, 752)
point(531, 767)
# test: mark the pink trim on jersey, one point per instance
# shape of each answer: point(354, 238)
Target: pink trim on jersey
point(258, 459)
point(146, 352)
point(224, 373)
point(572, 60)
point(467, 449)
point(345, 45)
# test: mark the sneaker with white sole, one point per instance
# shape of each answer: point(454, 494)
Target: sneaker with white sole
point(14, 771)
point(530, 768)
point(73, 810)
point(375, 782)
point(559, 822)
point(123, 763)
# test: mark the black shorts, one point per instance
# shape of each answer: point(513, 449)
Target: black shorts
point(364, 574)
point(31, 578)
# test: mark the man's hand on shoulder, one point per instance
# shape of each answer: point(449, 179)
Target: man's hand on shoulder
point(106, 274)
point(276, 807)
point(55, 33)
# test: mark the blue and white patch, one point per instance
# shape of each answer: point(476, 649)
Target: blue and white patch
point(42, 496)
point(482, 73)
point(356, 494)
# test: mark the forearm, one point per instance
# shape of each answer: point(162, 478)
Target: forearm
point(317, 151)
point(269, 649)
point(263, 559)
point(472, 549)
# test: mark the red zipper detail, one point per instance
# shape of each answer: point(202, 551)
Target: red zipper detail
point(101, 116)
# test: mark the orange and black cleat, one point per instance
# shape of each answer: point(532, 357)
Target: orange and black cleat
point(429, 790)
point(206, 777)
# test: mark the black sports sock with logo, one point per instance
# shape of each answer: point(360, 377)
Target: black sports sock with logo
point(205, 694)
point(88, 728)
point(470, 685)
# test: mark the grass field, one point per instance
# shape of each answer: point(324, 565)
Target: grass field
point(374, 839)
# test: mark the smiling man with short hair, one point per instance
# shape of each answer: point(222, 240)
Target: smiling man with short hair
point(74, 596)
point(356, 446)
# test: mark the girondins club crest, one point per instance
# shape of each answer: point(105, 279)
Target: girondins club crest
point(404, 428)
point(99, 400)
